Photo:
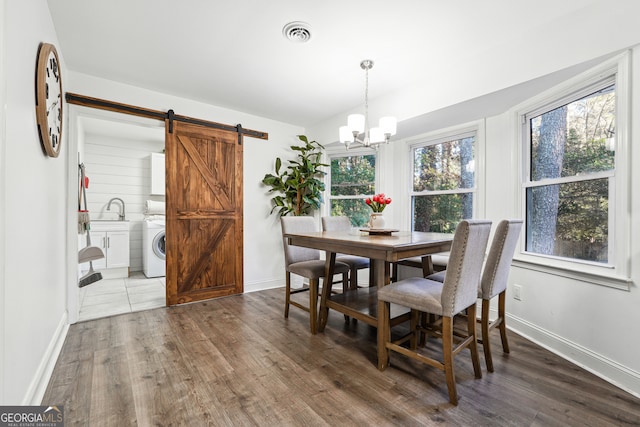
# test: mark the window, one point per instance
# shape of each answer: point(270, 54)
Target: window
point(353, 179)
point(570, 178)
point(575, 177)
point(444, 182)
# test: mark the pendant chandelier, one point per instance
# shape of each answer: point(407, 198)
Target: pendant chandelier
point(358, 124)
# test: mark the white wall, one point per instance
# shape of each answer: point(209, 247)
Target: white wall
point(35, 216)
point(3, 180)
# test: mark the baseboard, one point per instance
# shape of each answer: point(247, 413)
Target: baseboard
point(296, 281)
point(40, 381)
point(619, 375)
point(264, 285)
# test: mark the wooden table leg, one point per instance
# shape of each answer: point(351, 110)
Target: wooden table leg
point(380, 278)
point(327, 282)
point(384, 331)
point(380, 272)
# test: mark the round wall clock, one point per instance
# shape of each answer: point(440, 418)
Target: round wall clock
point(49, 99)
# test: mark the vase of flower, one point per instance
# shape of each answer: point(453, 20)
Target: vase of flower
point(376, 221)
point(377, 203)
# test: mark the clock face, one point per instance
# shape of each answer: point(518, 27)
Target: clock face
point(49, 100)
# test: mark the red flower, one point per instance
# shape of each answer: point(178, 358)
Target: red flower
point(378, 202)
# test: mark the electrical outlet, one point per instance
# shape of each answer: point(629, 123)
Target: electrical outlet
point(517, 292)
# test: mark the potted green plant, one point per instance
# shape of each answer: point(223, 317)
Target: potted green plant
point(299, 186)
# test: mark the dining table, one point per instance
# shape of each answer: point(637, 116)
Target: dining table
point(382, 247)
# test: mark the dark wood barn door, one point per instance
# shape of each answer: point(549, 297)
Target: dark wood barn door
point(204, 213)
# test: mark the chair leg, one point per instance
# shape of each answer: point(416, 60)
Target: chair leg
point(426, 319)
point(473, 345)
point(313, 304)
point(345, 288)
point(447, 351)
point(416, 333)
point(427, 265)
point(384, 334)
point(486, 342)
point(353, 277)
point(503, 321)
point(287, 294)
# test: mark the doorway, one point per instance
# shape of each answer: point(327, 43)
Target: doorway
point(116, 150)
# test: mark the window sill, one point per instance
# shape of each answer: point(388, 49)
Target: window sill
point(611, 281)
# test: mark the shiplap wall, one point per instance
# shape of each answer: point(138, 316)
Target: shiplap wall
point(119, 167)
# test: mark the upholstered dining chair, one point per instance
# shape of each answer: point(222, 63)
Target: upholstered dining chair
point(355, 263)
point(306, 262)
point(494, 283)
point(457, 294)
point(434, 263)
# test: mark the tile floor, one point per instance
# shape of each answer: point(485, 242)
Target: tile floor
point(109, 297)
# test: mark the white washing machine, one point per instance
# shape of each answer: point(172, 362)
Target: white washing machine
point(153, 248)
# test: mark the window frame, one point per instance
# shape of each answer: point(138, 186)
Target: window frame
point(616, 273)
point(475, 129)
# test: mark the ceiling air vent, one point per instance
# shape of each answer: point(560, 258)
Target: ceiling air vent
point(297, 32)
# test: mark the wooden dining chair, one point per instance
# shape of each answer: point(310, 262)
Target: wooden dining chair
point(457, 294)
point(305, 262)
point(355, 263)
point(494, 283)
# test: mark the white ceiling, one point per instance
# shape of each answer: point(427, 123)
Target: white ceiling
point(233, 54)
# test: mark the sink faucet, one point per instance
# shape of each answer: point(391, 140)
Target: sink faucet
point(120, 214)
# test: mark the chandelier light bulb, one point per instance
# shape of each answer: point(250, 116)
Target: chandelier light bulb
point(355, 123)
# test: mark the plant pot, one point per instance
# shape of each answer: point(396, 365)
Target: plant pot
point(376, 221)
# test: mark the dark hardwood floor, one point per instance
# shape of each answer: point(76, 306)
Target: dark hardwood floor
point(236, 361)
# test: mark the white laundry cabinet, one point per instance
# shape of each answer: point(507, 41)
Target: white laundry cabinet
point(113, 238)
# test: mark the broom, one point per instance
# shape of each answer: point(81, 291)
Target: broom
point(90, 253)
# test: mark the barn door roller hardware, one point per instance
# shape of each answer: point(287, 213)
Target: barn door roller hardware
point(171, 116)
